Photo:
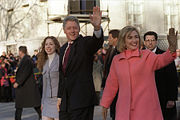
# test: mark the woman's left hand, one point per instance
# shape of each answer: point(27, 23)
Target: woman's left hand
point(172, 39)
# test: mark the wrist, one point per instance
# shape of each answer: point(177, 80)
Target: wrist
point(97, 28)
point(172, 51)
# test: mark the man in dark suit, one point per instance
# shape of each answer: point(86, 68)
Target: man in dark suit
point(166, 80)
point(26, 90)
point(111, 52)
point(76, 94)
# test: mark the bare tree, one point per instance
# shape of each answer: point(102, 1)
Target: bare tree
point(13, 13)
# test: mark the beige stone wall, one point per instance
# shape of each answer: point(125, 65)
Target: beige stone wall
point(153, 19)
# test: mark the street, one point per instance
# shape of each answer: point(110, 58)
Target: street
point(7, 111)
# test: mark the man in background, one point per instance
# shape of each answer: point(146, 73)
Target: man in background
point(166, 80)
point(111, 52)
point(26, 90)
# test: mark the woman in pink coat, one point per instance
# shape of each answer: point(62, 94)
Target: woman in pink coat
point(132, 72)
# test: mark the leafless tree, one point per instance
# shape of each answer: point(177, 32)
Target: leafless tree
point(13, 13)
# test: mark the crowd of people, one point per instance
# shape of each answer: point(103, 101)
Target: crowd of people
point(133, 77)
point(8, 64)
point(8, 67)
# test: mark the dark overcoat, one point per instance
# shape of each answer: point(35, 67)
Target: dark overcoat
point(167, 87)
point(27, 93)
point(76, 86)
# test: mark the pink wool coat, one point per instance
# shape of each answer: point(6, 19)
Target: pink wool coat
point(132, 72)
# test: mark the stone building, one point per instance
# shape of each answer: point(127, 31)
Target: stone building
point(46, 18)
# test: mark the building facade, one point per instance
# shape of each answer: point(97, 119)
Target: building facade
point(46, 18)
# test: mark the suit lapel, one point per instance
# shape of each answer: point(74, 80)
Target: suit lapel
point(157, 51)
point(54, 61)
point(46, 66)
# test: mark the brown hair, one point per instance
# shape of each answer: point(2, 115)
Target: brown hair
point(114, 32)
point(122, 36)
point(23, 49)
point(42, 56)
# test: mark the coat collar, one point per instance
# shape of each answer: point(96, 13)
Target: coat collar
point(22, 59)
point(54, 63)
point(71, 54)
point(127, 54)
point(158, 51)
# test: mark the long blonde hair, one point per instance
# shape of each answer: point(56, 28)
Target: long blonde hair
point(121, 46)
point(42, 55)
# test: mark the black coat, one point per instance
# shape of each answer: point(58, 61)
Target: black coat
point(27, 93)
point(76, 86)
point(167, 84)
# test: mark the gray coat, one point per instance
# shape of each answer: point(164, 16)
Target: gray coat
point(50, 78)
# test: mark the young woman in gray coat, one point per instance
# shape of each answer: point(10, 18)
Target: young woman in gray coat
point(48, 63)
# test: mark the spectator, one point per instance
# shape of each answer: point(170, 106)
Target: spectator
point(111, 52)
point(5, 85)
point(35, 58)
point(3, 55)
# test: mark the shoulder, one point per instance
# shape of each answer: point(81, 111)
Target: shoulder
point(64, 46)
point(159, 51)
point(57, 57)
point(117, 57)
point(146, 52)
point(27, 59)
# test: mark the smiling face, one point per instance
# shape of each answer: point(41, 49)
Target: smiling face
point(132, 40)
point(71, 30)
point(50, 47)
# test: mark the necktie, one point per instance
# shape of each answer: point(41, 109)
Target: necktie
point(66, 56)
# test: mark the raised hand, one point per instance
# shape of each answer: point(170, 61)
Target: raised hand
point(95, 19)
point(172, 39)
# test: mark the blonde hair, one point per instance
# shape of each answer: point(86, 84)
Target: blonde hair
point(121, 46)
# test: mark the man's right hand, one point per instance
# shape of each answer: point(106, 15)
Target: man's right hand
point(104, 113)
point(58, 104)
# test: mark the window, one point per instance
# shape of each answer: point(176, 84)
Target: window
point(171, 14)
point(82, 6)
point(134, 13)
